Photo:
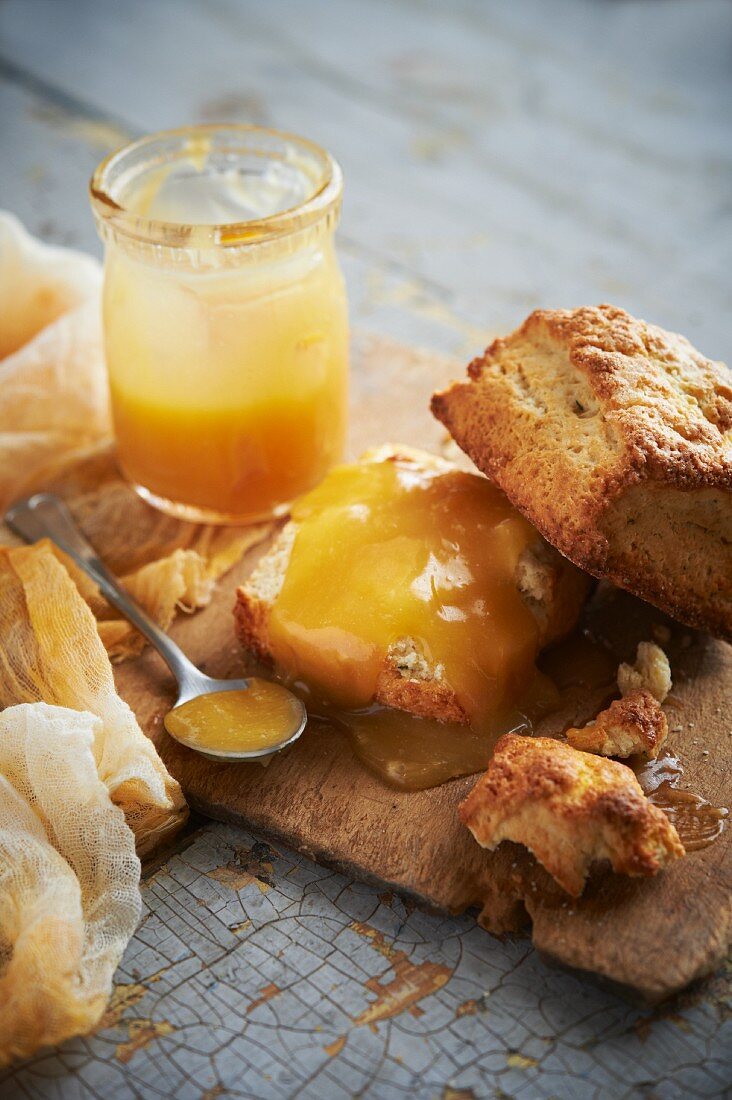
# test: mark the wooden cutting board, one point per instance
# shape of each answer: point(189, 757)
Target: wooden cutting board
point(651, 937)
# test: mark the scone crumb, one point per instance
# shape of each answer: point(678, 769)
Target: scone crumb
point(632, 725)
point(411, 663)
point(651, 672)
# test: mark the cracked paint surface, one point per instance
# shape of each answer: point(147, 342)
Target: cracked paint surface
point(257, 973)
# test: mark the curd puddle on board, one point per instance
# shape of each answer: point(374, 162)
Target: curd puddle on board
point(386, 552)
point(414, 753)
point(696, 820)
point(227, 349)
point(252, 720)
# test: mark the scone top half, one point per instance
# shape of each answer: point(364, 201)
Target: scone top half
point(614, 437)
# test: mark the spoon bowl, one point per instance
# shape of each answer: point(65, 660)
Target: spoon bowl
point(264, 704)
point(254, 700)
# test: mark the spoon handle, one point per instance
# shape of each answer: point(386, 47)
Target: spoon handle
point(46, 516)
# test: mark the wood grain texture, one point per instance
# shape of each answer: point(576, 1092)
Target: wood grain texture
point(649, 937)
point(497, 157)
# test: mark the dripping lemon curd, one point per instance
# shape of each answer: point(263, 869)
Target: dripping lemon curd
point(389, 557)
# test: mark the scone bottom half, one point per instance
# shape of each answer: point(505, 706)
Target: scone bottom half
point(550, 587)
point(614, 437)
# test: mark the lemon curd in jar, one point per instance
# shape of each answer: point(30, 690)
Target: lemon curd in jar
point(225, 318)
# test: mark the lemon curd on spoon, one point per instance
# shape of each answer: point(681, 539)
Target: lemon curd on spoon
point(237, 722)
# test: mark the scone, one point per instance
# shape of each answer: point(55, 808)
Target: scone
point(552, 589)
point(633, 725)
point(570, 809)
point(614, 437)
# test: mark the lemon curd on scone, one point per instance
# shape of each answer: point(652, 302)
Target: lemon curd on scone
point(411, 600)
point(225, 318)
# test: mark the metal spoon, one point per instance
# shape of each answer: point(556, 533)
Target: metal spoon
point(46, 516)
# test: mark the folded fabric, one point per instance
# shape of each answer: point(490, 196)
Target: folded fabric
point(69, 879)
point(53, 389)
point(50, 651)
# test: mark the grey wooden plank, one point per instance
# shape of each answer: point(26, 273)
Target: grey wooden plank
point(504, 164)
point(258, 983)
point(50, 150)
point(55, 142)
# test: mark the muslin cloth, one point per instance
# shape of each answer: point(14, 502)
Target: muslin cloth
point(50, 651)
point(81, 787)
point(69, 879)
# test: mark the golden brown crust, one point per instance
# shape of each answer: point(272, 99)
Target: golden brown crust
point(426, 697)
point(633, 724)
point(553, 589)
point(569, 808)
point(251, 619)
point(614, 438)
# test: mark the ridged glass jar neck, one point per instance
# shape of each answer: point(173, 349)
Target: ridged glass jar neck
point(216, 196)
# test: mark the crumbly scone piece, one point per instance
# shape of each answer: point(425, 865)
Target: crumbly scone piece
point(614, 437)
point(633, 724)
point(651, 672)
point(552, 588)
point(570, 809)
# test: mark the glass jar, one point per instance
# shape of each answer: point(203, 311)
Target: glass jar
point(225, 318)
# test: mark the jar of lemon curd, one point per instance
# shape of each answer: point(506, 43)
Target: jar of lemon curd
point(225, 318)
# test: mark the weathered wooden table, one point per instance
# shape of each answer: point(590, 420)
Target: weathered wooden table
point(498, 156)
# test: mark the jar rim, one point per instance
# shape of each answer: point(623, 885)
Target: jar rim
point(110, 211)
